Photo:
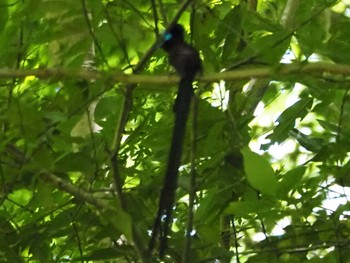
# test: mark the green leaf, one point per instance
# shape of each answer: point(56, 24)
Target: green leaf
point(232, 39)
point(107, 106)
point(330, 127)
point(208, 232)
point(272, 47)
point(214, 139)
point(3, 17)
point(259, 172)
point(106, 253)
point(9, 252)
point(120, 220)
point(45, 127)
point(40, 248)
point(310, 144)
point(74, 162)
point(286, 121)
point(245, 208)
point(290, 180)
point(43, 197)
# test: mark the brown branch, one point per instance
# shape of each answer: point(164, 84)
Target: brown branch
point(98, 203)
point(239, 74)
point(74, 191)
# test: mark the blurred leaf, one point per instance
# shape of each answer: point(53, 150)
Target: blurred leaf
point(120, 221)
point(289, 181)
point(245, 208)
point(231, 34)
point(3, 17)
point(286, 121)
point(9, 253)
point(106, 254)
point(280, 192)
point(74, 162)
point(328, 126)
point(310, 144)
point(107, 107)
point(259, 172)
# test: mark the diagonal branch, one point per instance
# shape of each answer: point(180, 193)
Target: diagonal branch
point(73, 190)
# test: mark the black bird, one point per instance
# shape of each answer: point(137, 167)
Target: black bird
point(186, 61)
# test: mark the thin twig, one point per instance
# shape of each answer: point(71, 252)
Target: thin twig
point(162, 12)
point(91, 31)
point(116, 36)
point(235, 236)
point(340, 122)
point(155, 16)
point(78, 240)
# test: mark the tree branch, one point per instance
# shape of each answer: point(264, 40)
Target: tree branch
point(98, 203)
point(74, 191)
point(239, 74)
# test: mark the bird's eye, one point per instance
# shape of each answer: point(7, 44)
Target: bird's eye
point(167, 36)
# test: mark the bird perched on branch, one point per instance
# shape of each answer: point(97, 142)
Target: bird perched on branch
point(186, 61)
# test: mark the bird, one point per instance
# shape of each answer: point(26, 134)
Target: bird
point(187, 63)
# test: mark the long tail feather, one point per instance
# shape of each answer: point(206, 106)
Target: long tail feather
point(163, 220)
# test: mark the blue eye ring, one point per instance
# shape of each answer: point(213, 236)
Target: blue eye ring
point(167, 36)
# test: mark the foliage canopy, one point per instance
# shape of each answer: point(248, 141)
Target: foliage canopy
point(82, 157)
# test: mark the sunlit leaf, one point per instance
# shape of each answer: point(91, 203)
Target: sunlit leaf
point(259, 172)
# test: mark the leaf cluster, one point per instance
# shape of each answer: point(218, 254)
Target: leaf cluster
point(82, 162)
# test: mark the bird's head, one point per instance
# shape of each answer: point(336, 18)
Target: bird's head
point(174, 34)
